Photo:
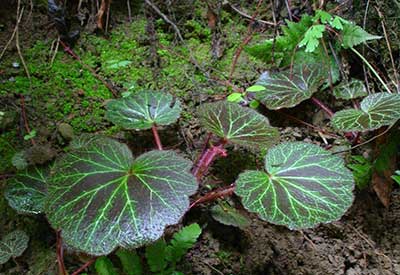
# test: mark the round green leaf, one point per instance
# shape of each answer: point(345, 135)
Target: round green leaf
point(288, 88)
point(26, 192)
point(235, 97)
point(101, 198)
point(255, 88)
point(13, 245)
point(302, 185)
point(144, 109)
point(352, 89)
point(375, 111)
point(228, 215)
point(237, 124)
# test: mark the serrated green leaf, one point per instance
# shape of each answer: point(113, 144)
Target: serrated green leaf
point(311, 38)
point(235, 97)
point(362, 170)
point(338, 23)
point(101, 198)
point(349, 90)
point(237, 124)
point(104, 266)
point(255, 88)
point(156, 256)
point(143, 110)
point(375, 111)
point(323, 16)
point(26, 192)
point(228, 215)
point(13, 245)
point(182, 241)
point(288, 88)
point(353, 35)
point(302, 185)
point(281, 51)
point(130, 261)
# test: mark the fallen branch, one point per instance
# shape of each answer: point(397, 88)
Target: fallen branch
point(245, 15)
point(165, 18)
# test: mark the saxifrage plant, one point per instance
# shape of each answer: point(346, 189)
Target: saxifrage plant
point(102, 198)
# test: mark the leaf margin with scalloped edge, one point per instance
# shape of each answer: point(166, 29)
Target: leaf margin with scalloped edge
point(144, 109)
point(254, 186)
point(128, 181)
point(232, 127)
point(355, 88)
point(359, 120)
point(288, 88)
point(26, 192)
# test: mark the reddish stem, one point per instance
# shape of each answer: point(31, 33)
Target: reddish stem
point(322, 106)
point(60, 254)
point(207, 158)
point(351, 136)
point(213, 195)
point(83, 267)
point(156, 137)
point(247, 39)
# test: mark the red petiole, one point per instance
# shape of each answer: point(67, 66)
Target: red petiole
point(207, 158)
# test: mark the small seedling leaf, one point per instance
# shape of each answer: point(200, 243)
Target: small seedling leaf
point(101, 198)
point(376, 110)
point(240, 125)
point(350, 90)
point(302, 185)
point(182, 241)
point(26, 192)
point(228, 215)
point(255, 88)
point(144, 109)
point(235, 97)
point(13, 245)
point(288, 88)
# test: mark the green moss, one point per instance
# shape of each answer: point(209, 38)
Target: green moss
point(7, 149)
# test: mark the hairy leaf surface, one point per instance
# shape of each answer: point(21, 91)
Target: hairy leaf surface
point(144, 109)
point(375, 111)
point(237, 124)
point(302, 185)
point(13, 245)
point(26, 192)
point(101, 198)
point(288, 88)
point(352, 89)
